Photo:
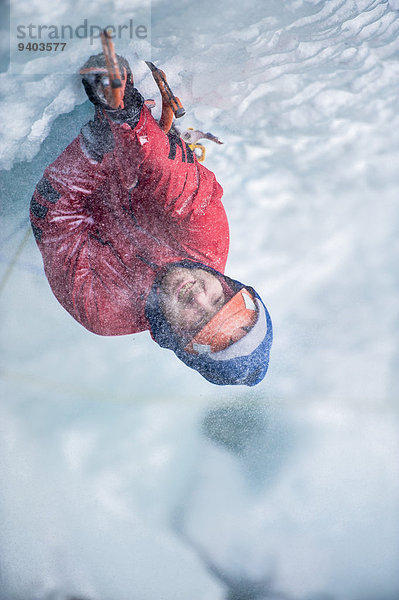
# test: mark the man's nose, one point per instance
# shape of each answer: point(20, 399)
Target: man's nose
point(202, 300)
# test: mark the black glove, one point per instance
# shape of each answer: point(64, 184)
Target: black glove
point(133, 102)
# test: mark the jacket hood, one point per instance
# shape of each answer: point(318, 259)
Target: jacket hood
point(243, 363)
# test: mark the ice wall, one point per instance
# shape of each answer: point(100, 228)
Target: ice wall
point(118, 484)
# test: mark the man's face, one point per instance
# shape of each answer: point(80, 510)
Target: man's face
point(190, 298)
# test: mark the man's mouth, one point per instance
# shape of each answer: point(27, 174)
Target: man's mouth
point(184, 289)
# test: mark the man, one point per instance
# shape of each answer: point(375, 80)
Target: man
point(134, 236)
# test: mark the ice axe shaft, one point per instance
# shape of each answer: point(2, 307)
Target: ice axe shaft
point(113, 69)
point(166, 92)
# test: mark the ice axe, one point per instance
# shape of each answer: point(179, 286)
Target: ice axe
point(171, 105)
point(110, 74)
point(114, 74)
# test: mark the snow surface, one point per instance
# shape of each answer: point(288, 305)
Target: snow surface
point(123, 474)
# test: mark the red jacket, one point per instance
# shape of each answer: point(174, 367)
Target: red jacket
point(105, 228)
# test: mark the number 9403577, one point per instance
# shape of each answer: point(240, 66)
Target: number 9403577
point(42, 46)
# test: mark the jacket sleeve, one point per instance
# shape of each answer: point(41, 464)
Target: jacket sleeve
point(178, 191)
point(83, 270)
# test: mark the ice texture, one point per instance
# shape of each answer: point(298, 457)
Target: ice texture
point(125, 475)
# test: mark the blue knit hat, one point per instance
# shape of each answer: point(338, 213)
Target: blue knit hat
point(243, 363)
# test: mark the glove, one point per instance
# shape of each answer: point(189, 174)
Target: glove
point(132, 99)
point(133, 102)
